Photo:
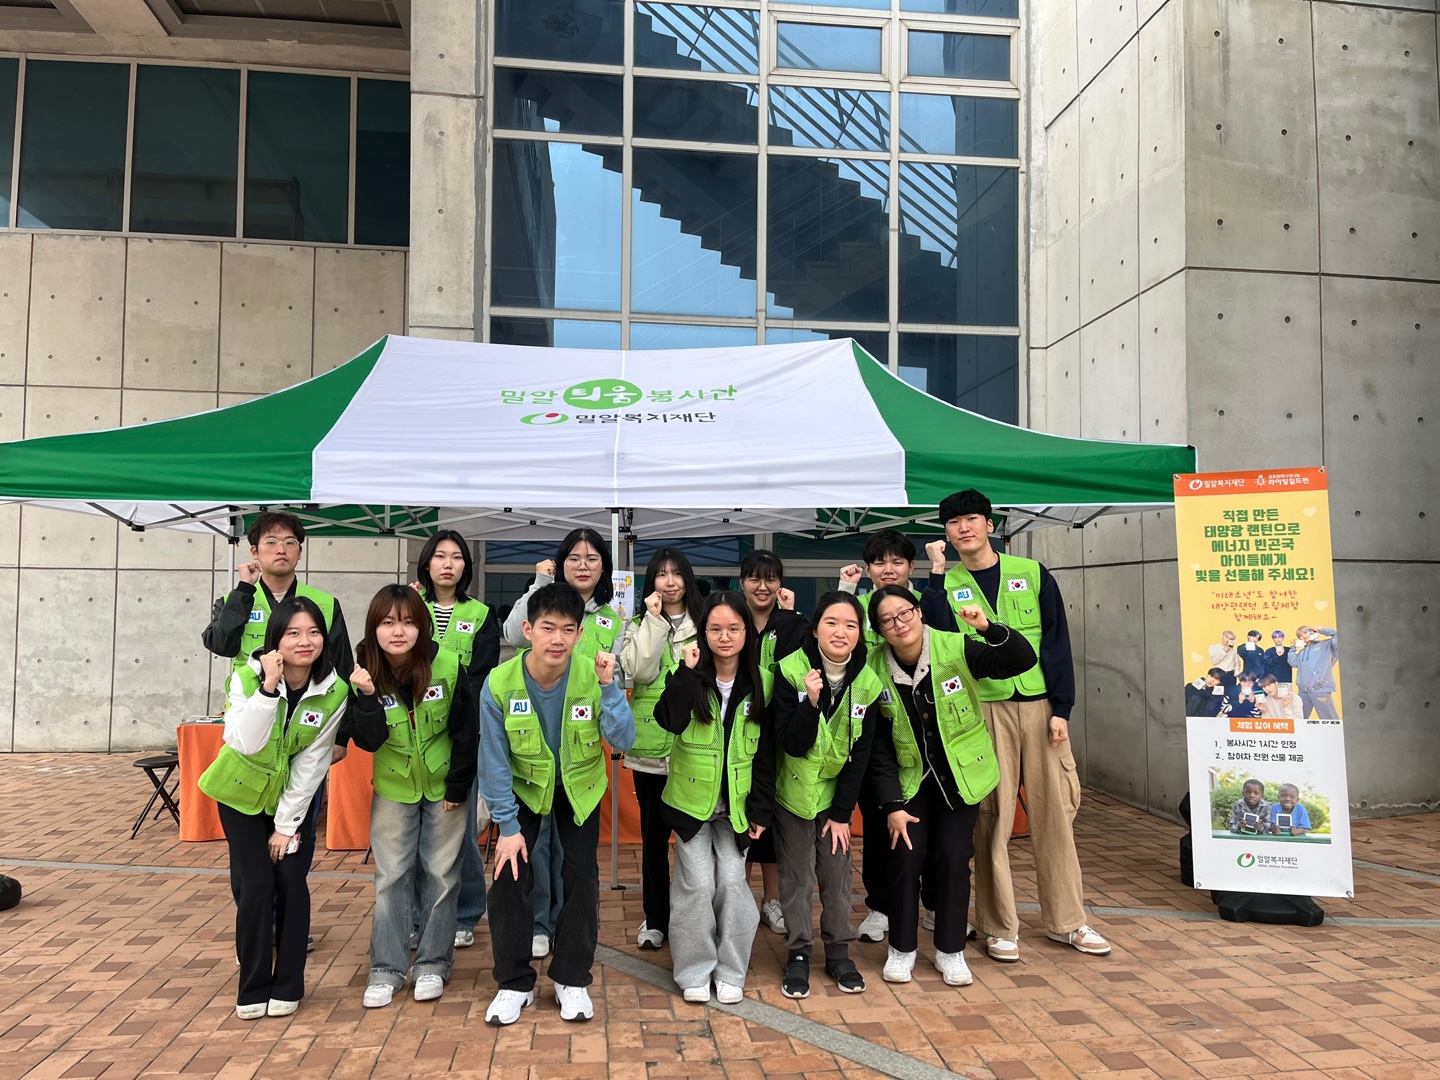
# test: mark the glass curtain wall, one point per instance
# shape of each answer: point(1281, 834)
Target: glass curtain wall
point(668, 175)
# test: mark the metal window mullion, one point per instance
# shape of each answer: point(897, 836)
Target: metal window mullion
point(242, 132)
point(896, 72)
point(14, 219)
point(128, 174)
point(354, 129)
point(574, 67)
point(487, 167)
point(530, 135)
point(686, 144)
point(959, 329)
point(765, 46)
point(512, 311)
point(627, 171)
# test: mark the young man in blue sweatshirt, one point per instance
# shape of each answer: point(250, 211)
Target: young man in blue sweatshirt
point(542, 722)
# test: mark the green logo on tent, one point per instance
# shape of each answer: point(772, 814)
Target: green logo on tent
point(603, 394)
point(1246, 861)
point(543, 419)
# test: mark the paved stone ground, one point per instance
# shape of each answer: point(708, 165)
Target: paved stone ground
point(119, 963)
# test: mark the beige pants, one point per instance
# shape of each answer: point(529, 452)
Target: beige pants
point(1021, 731)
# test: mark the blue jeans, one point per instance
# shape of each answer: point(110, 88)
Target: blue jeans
point(411, 839)
point(547, 894)
point(472, 874)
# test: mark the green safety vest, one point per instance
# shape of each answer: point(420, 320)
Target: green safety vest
point(253, 636)
point(466, 619)
point(582, 754)
point(958, 716)
point(873, 639)
point(652, 740)
point(1019, 609)
point(806, 785)
point(696, 763)
point(414, 762)
point(599, 631)
point(254, 783)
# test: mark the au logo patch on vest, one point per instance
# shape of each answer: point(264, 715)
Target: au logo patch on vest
point(434, 693)
point(520, 707)
point(256, 615)
point(465, 627)
point(579, 713)
point(1017, 584)
point(963, 595)
point(603, 623)
point(885, 698)
point(310, 718)
point(387, 702)
point(952, 686)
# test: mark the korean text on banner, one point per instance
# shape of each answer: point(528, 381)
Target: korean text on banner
point(1262, 647)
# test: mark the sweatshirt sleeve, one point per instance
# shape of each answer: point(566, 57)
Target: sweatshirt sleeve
point(337, 644)
point(307, 770)
point(227, 620)
point(520, 611)
point(497, 783)
point(617, 722)
point(797, 721)
point(249, 720)
point(884, 766)
point(935, 605)
point(643, 648)
point(1056, 661)
point(847, 784)
point(1003, 654)
point(672, 711)
point(464, 740)
point(366, 721)
point(485, 655)
point(760, 806)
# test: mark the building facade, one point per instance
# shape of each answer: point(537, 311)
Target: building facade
point(1008, 204)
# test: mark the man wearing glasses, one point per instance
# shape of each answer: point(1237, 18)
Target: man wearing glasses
point(237, 623)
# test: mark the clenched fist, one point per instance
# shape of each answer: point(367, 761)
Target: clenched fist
point(691, 654)
point(545, 568)
point(653, 604)
point(851, 574)
point(787, 599)
point(973, 616)
point(814, 682)
point(270, 667)
point(936, 550)
point(360, 680)
point(605, 667)
point(250, 572)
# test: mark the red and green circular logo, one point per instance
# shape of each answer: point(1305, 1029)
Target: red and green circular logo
point(1245, 861)
point(544, 419)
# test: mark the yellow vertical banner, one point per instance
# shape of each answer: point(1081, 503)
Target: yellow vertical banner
point(1262, 654)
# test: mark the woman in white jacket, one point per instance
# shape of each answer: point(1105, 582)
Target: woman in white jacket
point(653, 647)
point(284, 710)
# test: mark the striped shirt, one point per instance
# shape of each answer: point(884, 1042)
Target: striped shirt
point(442, 620)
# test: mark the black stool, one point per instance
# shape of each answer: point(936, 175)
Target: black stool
point(166, 794)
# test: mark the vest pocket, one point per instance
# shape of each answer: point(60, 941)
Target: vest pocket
point(977, 772)
point(249, 776)
point(523, 732)
point(585, 739)
point(436, 755)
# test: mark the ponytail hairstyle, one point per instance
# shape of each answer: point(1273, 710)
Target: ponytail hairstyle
point(414, 670)
point(703, 705)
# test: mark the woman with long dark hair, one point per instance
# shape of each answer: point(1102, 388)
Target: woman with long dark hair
point(718, 797)
point(415, 713)
point(284, 710)
point(654, 643)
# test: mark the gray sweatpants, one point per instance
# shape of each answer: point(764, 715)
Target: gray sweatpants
point(713, 917)
point(1320, 702)
point(803, 858)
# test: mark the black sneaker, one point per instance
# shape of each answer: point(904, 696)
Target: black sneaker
point(846, 975)
point(796, 983)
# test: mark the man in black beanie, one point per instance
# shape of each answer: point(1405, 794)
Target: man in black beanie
point(1028, 718)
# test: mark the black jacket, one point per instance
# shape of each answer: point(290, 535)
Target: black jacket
point(791, 629)
point(1006, 655)
point(485, 656)
point(672, 712)
point(370, 731)
point(797, 724)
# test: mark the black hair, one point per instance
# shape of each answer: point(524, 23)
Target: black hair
point(762, 563)
point(830, 599)
point(887, 542)
point(605, 587)
point(557, 598)
point(1219, 673)
point(702, 703)
point(1258, 783)
point(279, 622)
point(428, 552)
point(673, 556)
point(272, 520)
point(963, 503)
point(884, 593)
point(1249, 675)
point(1253, 633)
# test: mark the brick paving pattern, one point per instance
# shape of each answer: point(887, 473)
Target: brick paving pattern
point(115, 973)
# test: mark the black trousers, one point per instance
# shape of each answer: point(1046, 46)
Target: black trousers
point(654, 850)
point(942, 844)
point(512, 918)
point(874, 850)
point(272, 907)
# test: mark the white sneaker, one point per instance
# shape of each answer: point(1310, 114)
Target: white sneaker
point(574, 1002)
point(953, 968)
point(927, 920)
point(649, 939)
point(774, 917)
point(696, 995)
point(505, 1008)
point(727, 994)
point(464, 939)
point(899, 966)
point(539, 946)
point(428, 987)
point(875, 926)
point(251, 1012)
point(378, 995)
point(281, 1008)
point(1084, 939)
point(1002, 949)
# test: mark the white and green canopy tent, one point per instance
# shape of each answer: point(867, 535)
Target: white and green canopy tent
point(508, 442)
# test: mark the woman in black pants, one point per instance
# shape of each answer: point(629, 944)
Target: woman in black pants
point(284, 710)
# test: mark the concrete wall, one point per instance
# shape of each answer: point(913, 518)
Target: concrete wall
point(103, 624)
point(1237, 212)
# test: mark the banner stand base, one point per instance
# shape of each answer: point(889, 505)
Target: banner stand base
point(1268, 908)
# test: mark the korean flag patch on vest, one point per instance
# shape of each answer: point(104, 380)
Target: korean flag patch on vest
point(952, 686)
point(520, 707)
point(387, 702)
point(603, 623)
point(857, 712)
point(311, 718)
point(464, 627)
point(963, 596)
point(434, 693)
point(256, 615)
point(1017, 584)
point(579, 713)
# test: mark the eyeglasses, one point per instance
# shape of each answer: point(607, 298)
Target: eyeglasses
point(725, 631)
point(583, 560)
point(270, 543)
point(900, 618)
